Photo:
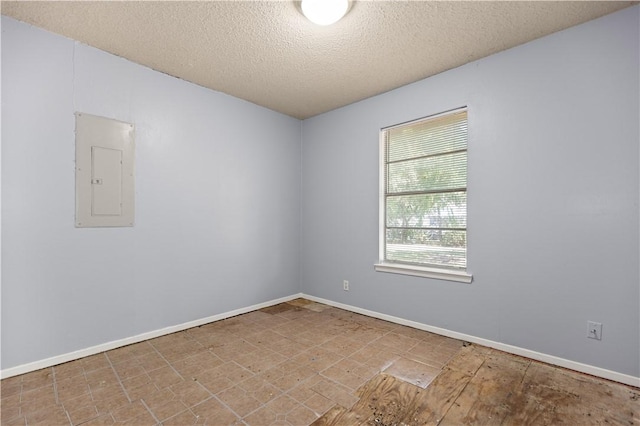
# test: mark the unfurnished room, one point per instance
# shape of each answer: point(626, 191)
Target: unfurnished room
point(327, 212)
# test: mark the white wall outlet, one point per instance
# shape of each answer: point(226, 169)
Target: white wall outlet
point(594, 330)
point(345, 285)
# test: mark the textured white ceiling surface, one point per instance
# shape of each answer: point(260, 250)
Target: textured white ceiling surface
point(267, 53)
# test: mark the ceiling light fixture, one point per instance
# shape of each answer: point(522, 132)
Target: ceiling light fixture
point(324, 12)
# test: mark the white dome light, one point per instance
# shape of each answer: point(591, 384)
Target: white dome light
point(324, 12)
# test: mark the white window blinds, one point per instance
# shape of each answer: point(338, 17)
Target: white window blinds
point(425, 192)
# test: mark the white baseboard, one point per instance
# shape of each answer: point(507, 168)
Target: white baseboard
point(550, 359)
point(72, 356)
point(538, 356)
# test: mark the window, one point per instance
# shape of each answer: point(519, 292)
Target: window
point(423, 197)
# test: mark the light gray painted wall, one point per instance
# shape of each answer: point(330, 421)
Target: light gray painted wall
point(553, 197)
point(217, 201)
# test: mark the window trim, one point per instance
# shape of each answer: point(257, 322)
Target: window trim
point(457, 275)
point(425, 272)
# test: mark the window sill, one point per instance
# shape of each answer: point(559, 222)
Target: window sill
point(421, 271)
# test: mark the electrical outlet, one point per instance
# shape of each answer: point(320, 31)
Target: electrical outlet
point(594, 330)
point(345, 285)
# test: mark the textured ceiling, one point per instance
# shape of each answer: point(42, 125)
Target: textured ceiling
point(266, 52)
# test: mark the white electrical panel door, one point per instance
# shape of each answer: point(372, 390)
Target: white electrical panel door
point(104, 172)
point(106, 181)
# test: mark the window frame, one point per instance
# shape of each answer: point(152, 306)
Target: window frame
point(457, 275)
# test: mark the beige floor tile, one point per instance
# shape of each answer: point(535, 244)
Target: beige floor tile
point(436, 356)
point(212, 411)
point(105, 419)
point(128, 368)
point(343, 372)
point(413, 372)
point(255, 362)
point(301, 416)
point(260, 337)
point(41, 396)
point(290, 348)
point(10, 408)
point(68, 370)
point(293, 378)
point(413, 333)
point(136, 382)
point(190, 366)
point(234, 372)
point(119, 355)
point(165, 377)
point(319, 404)
point(335, 392)
point(341, 346)
point(83, 414)
point(129, 411)
point(101, 377)
point(10, 387)
point(190, 393)
point(397, 342)
point(263, 416)
point(283, 404)
point(215, 383)
point(229, 350)
point(263, 391)
point(94, 362)
point(140, 391)
point(303, 391)
point(107, 392)
point(37, 379)
point(164, 405)
point(180, 352)
point(81, 401)
point(13, 380)
point(71, 388)
point(184, 418)
point(113, 402)
point(317, 358)
point(239, 401)
point(152, 361)
point(285, 365)
point(17, 421)
point(48, 416)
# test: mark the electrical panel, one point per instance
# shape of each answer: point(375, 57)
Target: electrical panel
point(105, 192)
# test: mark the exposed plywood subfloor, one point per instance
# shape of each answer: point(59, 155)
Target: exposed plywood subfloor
point(489, 387)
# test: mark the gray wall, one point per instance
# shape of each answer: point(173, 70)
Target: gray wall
point(217, 201)
point(553, 197)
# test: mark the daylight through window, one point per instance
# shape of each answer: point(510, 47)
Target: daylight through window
point(425, 192)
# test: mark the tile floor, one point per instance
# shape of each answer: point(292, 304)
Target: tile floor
point(283, 365)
